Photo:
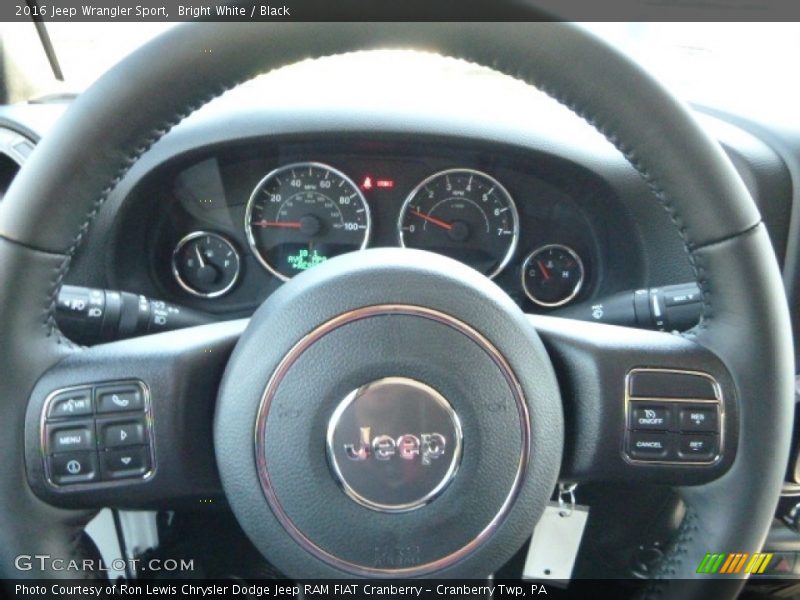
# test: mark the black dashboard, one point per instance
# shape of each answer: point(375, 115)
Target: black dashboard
point(583, 216)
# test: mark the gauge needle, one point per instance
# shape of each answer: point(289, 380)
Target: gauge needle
point(286, 224)
point(434, 220)
point(200, 257)
point(544, 270)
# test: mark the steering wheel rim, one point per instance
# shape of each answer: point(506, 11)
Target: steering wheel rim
point(745, 322)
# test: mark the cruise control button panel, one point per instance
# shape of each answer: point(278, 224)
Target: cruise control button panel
point(96, 433)
point(672, 417)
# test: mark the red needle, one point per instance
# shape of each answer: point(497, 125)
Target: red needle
point(434, 220)
point(544, 270)
point(286, 224)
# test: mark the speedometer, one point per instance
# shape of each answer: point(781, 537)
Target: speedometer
point(303, 214)
point(464, 214)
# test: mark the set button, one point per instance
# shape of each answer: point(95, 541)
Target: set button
point(698, 447)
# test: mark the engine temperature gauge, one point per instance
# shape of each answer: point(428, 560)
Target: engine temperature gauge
point(552, 275)
point(205, 264)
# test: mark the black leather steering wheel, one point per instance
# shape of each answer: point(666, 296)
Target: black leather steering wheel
point(743, 342)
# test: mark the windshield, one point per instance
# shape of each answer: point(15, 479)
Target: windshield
point(732, 64)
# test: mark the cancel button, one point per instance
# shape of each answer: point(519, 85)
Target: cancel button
point(649, 446)
point(650, 416)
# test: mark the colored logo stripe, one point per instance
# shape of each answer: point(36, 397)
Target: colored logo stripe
point(735, 562)
point(711, 563)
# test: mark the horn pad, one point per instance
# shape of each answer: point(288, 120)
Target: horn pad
point(388, 413)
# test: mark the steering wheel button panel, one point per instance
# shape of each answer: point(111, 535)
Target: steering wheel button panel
point(73, 467)
point(119, 398)
point(679, 403)
point(96, 433)
point(72, 403)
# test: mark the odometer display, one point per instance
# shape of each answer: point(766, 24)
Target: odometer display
point(464, 214)
point(303, 214)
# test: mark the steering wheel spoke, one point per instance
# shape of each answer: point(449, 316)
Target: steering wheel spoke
point(640, 405)
point(128, 424)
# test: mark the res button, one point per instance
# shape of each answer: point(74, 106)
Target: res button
point(699, 418)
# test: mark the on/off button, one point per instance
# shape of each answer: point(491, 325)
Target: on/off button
point(654, 417)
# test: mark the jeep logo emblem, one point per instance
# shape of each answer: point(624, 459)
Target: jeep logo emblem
point(394, 445)
point(426, 447)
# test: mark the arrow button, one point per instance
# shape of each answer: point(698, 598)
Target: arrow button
point(125, 462)
point(115, 433)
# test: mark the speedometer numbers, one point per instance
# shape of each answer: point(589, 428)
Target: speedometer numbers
point(464, 214)
point(303, 214)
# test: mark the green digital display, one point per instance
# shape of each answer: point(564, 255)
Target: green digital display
point(305, 259)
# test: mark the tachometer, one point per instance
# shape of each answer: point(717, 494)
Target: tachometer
point(303, 214)
point(464, 214)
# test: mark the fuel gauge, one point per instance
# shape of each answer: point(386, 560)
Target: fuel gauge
point(552, 275)
point(205, 264)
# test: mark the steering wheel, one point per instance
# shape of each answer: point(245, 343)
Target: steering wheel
point(390, 413)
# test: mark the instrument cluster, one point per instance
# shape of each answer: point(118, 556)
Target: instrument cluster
point(236, 220)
